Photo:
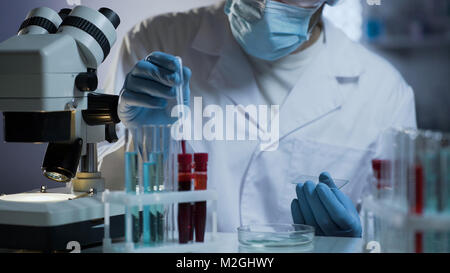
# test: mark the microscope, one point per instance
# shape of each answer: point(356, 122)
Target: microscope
point(48, 94)
point(48, 91)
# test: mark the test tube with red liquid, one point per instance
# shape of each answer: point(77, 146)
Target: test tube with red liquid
point(184, 209)
point(200, 179)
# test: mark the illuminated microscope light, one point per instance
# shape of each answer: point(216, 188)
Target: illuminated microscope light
point(37, 197)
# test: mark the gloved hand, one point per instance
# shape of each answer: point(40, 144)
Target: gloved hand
point(325, 208)
point(149, 87)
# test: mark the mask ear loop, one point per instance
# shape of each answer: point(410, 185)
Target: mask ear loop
point(318, 14)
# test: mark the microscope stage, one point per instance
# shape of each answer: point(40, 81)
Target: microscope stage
point(52, 209)
point(44, 222)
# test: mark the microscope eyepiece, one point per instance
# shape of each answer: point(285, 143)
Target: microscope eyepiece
point(94, 31)
point(111, 15)
point(40, 21)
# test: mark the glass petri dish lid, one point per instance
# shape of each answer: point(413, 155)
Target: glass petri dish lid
point(275, 235)
point(340, 183)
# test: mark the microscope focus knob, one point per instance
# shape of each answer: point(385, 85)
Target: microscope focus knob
point(87, 81)
point(102, 110)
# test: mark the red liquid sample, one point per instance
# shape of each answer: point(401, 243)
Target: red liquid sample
point(184, 209)
point(419, 190)
point(200, 209)
point(200, 181)
point(183, 146)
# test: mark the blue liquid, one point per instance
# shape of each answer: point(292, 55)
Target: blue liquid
point(445, 165)
point(131, 183)
point(131, 172)
point(154, 215)
point(445, 171)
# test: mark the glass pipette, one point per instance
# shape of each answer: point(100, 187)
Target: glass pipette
point(180, 102)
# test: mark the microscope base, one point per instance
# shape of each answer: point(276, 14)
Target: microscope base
point(58, 238)
point(50, 226)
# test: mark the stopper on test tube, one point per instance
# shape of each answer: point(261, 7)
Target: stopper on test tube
point(184, 162)
point(201, 162)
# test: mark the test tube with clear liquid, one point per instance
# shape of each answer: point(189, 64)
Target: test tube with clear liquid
point(180, 95)
point(445, 176)
point(132, 221)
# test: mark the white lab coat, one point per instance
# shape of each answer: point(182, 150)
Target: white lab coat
point(330, 122)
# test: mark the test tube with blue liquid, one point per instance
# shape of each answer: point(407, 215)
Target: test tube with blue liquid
point(445, 176)
point(132, 221)
point(157, 177)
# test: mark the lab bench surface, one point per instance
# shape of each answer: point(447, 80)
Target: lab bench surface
point(228, 243)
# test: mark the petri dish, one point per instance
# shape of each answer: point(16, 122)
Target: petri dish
point(275, 235)
point(340, 183)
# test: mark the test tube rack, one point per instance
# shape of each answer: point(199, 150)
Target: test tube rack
point(397, 229)
point(124, 199)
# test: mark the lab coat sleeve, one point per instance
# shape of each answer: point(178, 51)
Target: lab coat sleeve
point(171, 33)
point(135, 46)
point(405, 114)
point(400, 113)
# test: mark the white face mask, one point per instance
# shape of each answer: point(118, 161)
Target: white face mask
point(269, 30)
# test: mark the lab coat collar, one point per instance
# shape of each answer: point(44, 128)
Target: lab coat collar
point(210, 36)
point(340, 51)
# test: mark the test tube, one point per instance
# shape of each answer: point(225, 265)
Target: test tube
point(180, 101)
point(433, 202)
point(132, 221)
point(200, 181)
point(170, 181)
point(184, 209)
point(180, 95)
point(387, 163)
point(405, 167)
point(418, 187)
point(381, 185)
point(156, 171)
point(434, 241)
point(445, 172)
point(445, 176)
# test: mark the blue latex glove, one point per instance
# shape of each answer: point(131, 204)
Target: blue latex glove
point(325, 208)
point(148, 88)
